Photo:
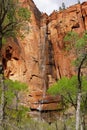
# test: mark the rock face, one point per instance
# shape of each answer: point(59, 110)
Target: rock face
point(73, 18)
point(40, 59)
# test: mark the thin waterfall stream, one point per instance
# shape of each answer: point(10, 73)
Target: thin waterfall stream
point(43, 63)
point(43, 58)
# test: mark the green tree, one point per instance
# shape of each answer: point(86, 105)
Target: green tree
point(12, 109)
point(67, 88)
point(60, 8)
point(79, 44)
point(78, 1)
point(12, 18)
point(63, 6)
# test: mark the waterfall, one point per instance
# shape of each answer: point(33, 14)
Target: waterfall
point(42, 63)
point(43, 58)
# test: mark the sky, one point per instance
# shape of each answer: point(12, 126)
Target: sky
point(49, 5)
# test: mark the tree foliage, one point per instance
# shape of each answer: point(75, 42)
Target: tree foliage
point(79, 84)
point(78, 1)
point(67, 87)
point(12, 88)
point(12, 16)
point(12, 110)
point(78, 44)
point(63, 7)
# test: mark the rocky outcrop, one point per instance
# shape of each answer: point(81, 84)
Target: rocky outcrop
point(59, 23)
point(29, 50)
point(44, 103)
point(40, 58)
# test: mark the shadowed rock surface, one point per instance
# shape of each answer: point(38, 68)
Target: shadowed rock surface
point(23, 59)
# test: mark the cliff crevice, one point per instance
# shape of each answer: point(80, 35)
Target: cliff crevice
point(40, 58)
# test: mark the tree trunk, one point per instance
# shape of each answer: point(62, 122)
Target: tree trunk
point(2, 100)
point(0, 44)
point(78, 117)
point(17, 99)
point(78, 111)
point(83, 127)
point(2, 86)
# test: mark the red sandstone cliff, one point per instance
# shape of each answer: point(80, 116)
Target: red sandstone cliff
point(74, 18)
point(40, 59)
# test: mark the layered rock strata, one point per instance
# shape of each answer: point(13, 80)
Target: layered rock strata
point(40, 58)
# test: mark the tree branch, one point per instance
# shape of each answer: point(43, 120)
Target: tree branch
point(5, 10)
point(71, 100)
point(79, 72)
point(0, 9)
point(8, 25)
point(8, 30)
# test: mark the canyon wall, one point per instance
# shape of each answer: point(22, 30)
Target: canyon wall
point(40, 58)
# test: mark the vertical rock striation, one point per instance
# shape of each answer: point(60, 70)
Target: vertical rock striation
point(40, 58)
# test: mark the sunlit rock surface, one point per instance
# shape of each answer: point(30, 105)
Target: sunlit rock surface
point(40, 58)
